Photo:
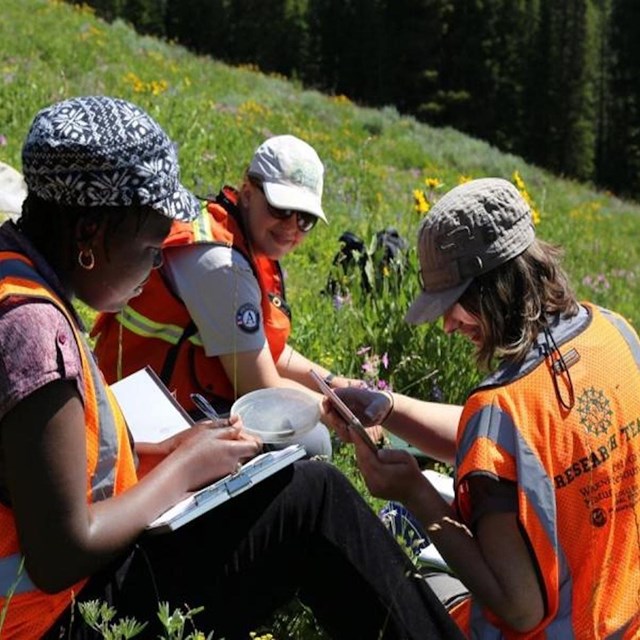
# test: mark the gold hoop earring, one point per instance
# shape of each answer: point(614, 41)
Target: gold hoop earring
point(86, 259)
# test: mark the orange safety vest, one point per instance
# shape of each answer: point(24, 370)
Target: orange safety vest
point(577, 471)
point(155, 328)
point(110, 468)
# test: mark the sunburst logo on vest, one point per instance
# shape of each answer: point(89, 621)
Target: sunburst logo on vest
point(595, 411)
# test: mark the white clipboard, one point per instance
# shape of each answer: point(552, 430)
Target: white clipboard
point(250, 474)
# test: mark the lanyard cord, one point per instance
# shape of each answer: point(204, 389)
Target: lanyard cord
point(558, 368)
point(119, 356)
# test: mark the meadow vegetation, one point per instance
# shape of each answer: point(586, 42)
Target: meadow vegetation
point(382, 170)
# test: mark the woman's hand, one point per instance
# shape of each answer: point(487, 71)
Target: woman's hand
point(342, 382)
point(213, 448)
point(370, 407)
point(376, 433)
point(150, 454)
point(390, 474)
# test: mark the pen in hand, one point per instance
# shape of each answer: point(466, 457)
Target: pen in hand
point(205, 406)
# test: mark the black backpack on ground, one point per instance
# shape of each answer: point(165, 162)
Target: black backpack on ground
point(370, 265)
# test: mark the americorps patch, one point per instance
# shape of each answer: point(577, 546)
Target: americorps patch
point(248, 318)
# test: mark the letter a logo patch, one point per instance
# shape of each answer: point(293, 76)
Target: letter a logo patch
point(248, 318)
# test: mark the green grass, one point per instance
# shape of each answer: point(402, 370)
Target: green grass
point(374, 160)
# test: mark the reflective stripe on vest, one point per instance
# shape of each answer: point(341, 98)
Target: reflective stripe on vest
point(148, 328)
point(202, 227)
point(496, 426)
point(625, 332)
point(103, 480)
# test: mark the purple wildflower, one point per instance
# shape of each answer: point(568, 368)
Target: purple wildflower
point(367, 367)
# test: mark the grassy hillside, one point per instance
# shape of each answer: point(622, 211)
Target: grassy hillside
point(375, 160)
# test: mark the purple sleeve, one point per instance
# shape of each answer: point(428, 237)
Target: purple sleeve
point(37, 346)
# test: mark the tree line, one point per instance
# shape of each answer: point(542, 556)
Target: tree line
point(555, 82)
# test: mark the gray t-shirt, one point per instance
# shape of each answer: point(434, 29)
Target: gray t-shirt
point(222, 295)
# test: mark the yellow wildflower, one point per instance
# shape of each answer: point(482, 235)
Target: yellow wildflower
point(522, 188)
point(340, 99)
point(156, 87)
point(136, 83)
point(420, 202)
point(518, 181)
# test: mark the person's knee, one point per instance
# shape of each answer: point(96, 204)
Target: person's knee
point(322, 478)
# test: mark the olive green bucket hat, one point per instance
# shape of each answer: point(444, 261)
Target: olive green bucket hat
point(472, 229)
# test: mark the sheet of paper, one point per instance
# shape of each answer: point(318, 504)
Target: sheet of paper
point(151, 413)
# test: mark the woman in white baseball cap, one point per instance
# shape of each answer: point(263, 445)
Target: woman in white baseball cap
point(222, 290)
point(544, 450)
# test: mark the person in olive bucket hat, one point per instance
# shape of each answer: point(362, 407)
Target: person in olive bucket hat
point(544, 449)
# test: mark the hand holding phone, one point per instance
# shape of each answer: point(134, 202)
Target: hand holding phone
point(344, 410)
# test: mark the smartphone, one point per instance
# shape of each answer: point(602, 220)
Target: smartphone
point(343, 410)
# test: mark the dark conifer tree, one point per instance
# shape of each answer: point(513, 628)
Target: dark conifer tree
point(346, 45)
point(199, 25)
point(271, 35)
point(620, 162)
point(563, 118)
point(414, 56)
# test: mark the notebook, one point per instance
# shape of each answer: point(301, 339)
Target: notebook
point(153, 414)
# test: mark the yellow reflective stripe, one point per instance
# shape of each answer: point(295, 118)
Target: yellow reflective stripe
point(202, 227)
point(147, 328)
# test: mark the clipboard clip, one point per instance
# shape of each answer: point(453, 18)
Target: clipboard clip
point(237, 483)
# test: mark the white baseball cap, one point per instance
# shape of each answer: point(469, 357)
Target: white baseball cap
point(291, 174)
point(13, 190)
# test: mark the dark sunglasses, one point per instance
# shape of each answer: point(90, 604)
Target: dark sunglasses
point(305, 221)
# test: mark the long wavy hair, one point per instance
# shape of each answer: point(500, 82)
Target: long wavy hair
point(513, 302)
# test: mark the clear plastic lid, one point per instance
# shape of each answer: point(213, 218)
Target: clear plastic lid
point(277, 415)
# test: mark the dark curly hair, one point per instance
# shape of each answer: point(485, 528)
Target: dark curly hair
point(52, 226)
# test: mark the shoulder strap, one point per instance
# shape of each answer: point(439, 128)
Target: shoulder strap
point(169, 363)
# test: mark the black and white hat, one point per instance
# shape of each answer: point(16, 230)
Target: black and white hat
point(100, 151)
